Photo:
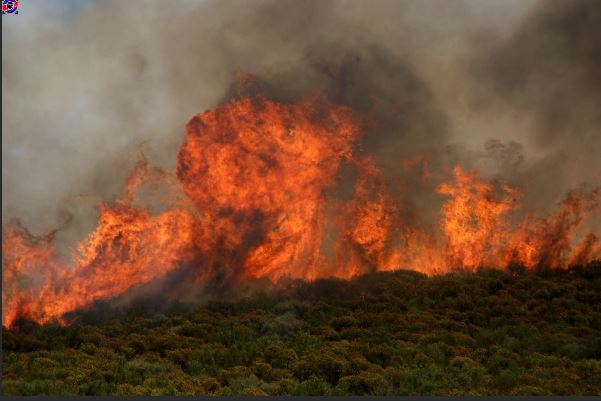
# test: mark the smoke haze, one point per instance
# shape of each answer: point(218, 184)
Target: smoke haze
point(510, 87)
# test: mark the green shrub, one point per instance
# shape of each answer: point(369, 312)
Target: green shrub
point(313, 386)
point(487, 333)
point(279, 356)
point(365, 383)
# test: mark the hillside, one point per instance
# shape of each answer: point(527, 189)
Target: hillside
point(398, 332)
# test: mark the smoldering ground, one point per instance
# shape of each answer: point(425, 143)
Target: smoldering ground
point(507, 87)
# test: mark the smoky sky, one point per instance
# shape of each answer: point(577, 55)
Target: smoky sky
point(504, 86)
point(550, 68)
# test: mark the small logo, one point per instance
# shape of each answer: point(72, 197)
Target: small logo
point(10, 7)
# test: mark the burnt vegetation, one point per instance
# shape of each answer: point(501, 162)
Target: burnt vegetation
point(382, 333)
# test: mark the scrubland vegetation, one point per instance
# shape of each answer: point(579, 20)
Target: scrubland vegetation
point(400, 332)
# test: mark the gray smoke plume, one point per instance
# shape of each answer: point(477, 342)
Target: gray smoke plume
point(507, 87)
point(548, 71)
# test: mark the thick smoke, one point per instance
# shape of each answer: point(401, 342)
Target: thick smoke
point(83, 86)
point(548, 70)
point(507, 87)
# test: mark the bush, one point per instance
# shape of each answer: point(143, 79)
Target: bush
point(279, 356)
point(488, 333)
point(313, 386)
point(366, 383)
point(323, 364)
point(506, 378)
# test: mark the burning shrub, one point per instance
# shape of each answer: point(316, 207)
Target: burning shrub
point(257, 201)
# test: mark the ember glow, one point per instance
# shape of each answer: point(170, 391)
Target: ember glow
point(250, 199)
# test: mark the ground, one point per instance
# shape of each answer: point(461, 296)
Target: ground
point(488, 333)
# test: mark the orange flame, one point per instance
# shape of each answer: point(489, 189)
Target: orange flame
point(475, 221)
point(250, 198)
point(258, 169)
point(128, 248)
point(368, 224)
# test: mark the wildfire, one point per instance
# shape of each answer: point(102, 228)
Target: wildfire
point(249, 199)
point(475, 221)
point(258, 170)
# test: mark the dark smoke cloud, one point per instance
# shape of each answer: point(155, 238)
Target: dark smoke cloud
point(549, 69)
point(460, 81)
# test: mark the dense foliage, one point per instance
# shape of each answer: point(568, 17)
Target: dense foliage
point(383, 333)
